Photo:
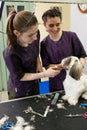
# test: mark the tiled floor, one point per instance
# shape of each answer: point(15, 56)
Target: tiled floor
point(3, 96)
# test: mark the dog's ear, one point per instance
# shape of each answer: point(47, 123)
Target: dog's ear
point(66, 62)
point(76, 71)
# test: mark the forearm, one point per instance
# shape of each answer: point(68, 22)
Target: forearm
point(32, 76)
point(39, 66)
point(50, 72)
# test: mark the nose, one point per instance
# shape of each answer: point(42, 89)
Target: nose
point(55, 27)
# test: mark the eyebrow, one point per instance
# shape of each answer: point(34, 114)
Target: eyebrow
point(55, 24)
point(32, 33)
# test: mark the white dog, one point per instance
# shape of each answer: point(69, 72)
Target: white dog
point(75, 83)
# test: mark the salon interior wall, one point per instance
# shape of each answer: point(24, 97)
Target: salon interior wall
point(79, 25)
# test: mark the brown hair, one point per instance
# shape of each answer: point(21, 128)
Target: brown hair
point(76, 70)
point(54, 12)
point(20, 21)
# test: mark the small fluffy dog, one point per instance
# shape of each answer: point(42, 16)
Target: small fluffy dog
point(75, 83)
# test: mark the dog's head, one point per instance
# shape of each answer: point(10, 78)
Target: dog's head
point(74, 66)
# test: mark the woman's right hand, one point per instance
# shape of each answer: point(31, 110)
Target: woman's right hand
point(52, 72)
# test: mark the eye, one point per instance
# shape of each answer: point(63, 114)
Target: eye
point(33, 34)
point(76, 60)
point(58, 24)
point(51, 25)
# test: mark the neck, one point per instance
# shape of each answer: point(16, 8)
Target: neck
point(57, 38)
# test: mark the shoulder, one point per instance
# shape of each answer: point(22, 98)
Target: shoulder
point(69, 33)
point(45, 40)
point(6, 51)
point(10, 51)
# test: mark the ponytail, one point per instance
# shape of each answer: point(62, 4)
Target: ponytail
point(11, 38)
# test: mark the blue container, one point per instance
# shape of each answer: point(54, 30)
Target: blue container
point(7, 125)
point(44, 87)
point(4, 127)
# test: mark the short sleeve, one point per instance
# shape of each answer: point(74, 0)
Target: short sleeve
point(78, 48)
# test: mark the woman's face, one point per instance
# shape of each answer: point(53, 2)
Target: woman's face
point(53, 26)
point(26, 38)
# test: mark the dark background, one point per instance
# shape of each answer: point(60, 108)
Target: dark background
point(55, 119)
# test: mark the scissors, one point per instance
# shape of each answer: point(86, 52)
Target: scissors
point(30, 110)
point(77, 115)
point(7, 125)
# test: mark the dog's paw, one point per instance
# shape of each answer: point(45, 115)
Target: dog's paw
point(84, 96)
point(72, 102)
point(65, 97)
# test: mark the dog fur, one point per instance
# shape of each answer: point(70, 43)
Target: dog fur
point(75, 83)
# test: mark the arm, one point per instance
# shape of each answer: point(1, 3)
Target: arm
point(50, 72)
point(78, 48)
point(57, 66)
point(18, 71)
point(39, 66)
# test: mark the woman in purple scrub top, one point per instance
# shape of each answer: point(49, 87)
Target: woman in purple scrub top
point(57, 45)
point(22, 55)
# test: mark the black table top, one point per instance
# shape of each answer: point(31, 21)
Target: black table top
point(55, 119)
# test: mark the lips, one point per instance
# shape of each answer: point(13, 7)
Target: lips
point(54, 33)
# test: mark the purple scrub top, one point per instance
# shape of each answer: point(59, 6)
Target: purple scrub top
point(21, 60)
point(52, 52)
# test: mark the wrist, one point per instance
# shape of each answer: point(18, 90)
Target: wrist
point(44, 75)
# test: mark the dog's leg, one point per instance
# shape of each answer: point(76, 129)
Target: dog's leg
point(72, 101)
point(65, 98)
point(84, 95)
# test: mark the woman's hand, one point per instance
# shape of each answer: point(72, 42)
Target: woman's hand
point(53, 71)
point(55, 66)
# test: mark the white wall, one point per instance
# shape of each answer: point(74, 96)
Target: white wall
point(79, 25)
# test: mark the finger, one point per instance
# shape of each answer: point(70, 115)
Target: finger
point(57, 68)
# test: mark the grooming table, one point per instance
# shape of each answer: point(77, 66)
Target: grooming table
point(54, 118)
